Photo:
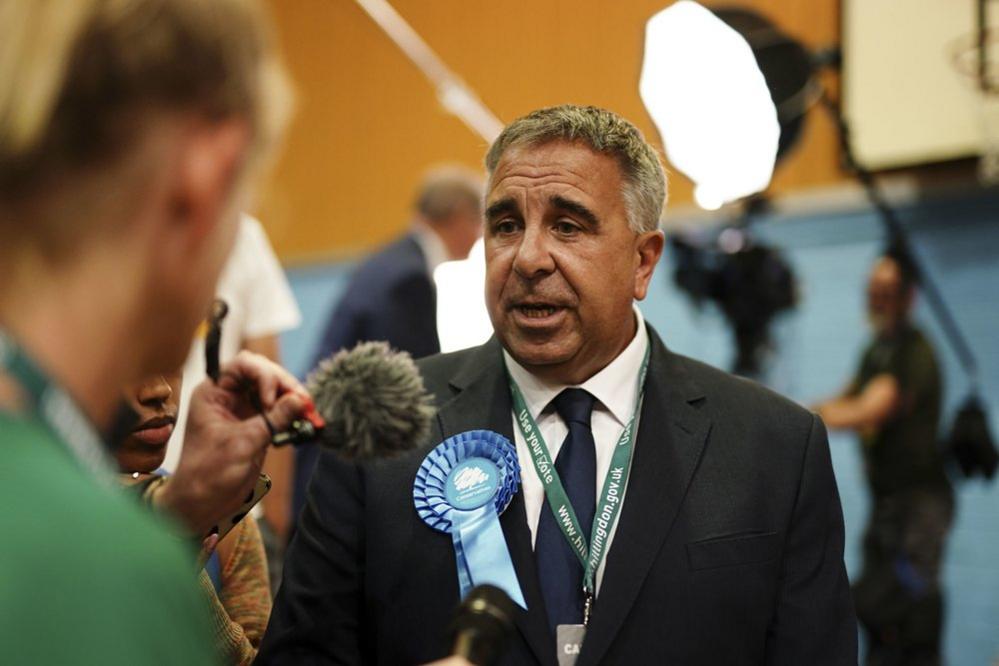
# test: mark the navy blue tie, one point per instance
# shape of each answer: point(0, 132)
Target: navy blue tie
point(559, 570)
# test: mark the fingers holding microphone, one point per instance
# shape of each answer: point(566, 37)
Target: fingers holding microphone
point(230, 425)
point(251, 385)
point(370, 402)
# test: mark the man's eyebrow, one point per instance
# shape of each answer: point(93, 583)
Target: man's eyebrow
point(575, 208)
point(501, 207)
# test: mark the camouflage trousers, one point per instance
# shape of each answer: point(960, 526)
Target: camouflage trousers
point(898, 596)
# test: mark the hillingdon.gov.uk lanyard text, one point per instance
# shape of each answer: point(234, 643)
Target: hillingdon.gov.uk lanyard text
point(591, 553)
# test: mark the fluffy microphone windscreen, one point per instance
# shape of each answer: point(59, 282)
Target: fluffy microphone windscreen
point(373, 401)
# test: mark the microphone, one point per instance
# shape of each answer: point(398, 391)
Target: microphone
point(482, 625)
point(370, 401)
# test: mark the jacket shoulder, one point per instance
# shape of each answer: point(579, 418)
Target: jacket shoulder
point(745, 402)
point(439, 369)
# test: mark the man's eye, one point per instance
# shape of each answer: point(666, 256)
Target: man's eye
point(566, 228)
point(504, 227)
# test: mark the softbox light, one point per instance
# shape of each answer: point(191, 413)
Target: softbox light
point(704, 89)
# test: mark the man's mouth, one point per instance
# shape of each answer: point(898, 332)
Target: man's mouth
point(157, 422)
point(536, 314)
point(537, 310)
point(155, 431)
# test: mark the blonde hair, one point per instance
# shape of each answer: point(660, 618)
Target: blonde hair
point(80, 81)
point(605, 132)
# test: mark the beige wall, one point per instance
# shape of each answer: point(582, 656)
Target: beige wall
point(368, 122)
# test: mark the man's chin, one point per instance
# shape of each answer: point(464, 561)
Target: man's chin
point(538, 354)
point(881, 326)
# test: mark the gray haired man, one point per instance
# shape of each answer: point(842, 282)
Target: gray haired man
point(696, 518)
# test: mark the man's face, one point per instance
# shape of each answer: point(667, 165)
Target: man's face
point(562, 265)
point(887, 302)
point(196, 222)
point(154, 403)
point(183, 298)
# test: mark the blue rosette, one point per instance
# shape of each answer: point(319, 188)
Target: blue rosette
point(461, 488)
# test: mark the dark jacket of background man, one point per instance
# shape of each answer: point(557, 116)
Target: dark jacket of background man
point(390, 297)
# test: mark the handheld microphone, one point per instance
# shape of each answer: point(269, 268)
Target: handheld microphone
point(368, 402)
point(372, 400)
point(482, 625)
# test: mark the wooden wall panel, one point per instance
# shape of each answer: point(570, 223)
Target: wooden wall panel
point(368, 123)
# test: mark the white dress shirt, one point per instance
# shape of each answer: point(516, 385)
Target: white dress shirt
point(616, 390)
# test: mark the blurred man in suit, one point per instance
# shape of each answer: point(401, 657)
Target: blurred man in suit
point(392, 296)
point(729, 547)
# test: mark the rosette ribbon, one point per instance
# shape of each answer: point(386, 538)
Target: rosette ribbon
point(461, 488)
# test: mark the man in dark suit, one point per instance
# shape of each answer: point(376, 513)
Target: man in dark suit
point(729, 545)
point(391, 295)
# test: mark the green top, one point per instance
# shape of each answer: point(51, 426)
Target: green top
point(904, 453)
point(87, 576)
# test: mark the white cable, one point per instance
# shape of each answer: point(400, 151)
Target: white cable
point(453, 93)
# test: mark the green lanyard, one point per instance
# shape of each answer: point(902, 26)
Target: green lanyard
point(591, 553)
point(57, 411)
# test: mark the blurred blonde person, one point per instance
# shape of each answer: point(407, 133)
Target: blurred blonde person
point(129, 131)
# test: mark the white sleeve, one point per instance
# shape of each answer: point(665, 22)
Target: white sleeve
point(270, 304)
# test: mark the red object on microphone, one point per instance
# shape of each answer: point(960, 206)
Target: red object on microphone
point(313, 417)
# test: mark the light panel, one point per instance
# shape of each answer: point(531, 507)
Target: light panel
point(707, 96)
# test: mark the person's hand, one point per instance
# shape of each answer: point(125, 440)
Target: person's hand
point(226, 439)
point(208, 546)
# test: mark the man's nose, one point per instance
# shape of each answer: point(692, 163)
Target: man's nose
point(534, 257)
point(155, 392)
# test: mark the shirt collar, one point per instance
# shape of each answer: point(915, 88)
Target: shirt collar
point(434, 250)
point(615, 387)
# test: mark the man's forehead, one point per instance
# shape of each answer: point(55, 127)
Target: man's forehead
point(557, 163)
point(547, 154)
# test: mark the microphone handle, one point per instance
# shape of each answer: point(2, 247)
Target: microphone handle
point(479, 648)
point(300, 432)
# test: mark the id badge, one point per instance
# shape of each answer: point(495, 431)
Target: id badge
point(569, 639)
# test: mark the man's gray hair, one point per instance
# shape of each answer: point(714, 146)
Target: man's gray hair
point(605, 132)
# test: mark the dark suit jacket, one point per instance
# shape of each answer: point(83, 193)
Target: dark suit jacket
point(729, 548)
point(390, 297)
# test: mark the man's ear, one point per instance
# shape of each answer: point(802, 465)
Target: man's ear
point(649, 248)
point(209, 160)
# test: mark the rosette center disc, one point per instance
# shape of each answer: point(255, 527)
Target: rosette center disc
point(472, 483)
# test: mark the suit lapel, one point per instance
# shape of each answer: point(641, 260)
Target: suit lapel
point(483, 402)
point(671, 436)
